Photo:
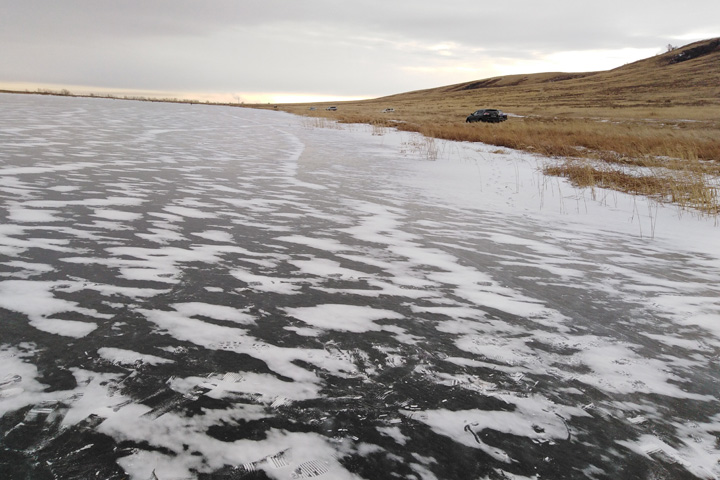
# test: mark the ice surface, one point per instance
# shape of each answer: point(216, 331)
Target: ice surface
point(197, 292)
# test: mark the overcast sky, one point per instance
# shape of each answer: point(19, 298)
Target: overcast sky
point(285, 50)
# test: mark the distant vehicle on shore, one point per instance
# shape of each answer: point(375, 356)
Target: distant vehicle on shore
point(388, 110)
point(332, 109)
point(490, 115)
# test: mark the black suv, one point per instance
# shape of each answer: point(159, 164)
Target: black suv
point(487, 115)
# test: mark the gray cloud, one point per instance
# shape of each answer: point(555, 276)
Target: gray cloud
point(364, 48)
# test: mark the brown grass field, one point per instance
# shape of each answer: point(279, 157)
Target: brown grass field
point(661, 113)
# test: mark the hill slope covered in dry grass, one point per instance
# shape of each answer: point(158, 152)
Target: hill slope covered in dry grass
point(661, 113)
point(683, 80)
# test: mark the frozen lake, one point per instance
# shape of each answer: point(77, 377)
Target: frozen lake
point(200, 292)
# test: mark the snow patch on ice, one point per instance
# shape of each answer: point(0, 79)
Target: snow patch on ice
point(129, 357)
point(30, 215)
point(347, 318)
point(117, 215)
point(36, 300)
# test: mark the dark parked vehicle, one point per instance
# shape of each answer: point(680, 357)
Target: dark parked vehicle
point(487, 115)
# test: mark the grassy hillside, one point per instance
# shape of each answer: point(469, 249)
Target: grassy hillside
point(661, 113)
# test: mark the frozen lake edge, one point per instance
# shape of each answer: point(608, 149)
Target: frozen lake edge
point(202, 292)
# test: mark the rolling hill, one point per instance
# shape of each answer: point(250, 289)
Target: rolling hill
point(684, 77)
point(667, 84)
point(661, 114)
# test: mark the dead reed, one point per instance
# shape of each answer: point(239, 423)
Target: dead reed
point(686, 188)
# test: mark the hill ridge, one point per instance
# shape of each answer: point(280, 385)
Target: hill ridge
point(687, 75)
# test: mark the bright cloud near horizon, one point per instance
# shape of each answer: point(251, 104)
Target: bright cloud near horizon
point(313, 50)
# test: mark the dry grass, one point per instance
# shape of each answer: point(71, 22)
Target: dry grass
point(657, 115)
point(687, 188)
